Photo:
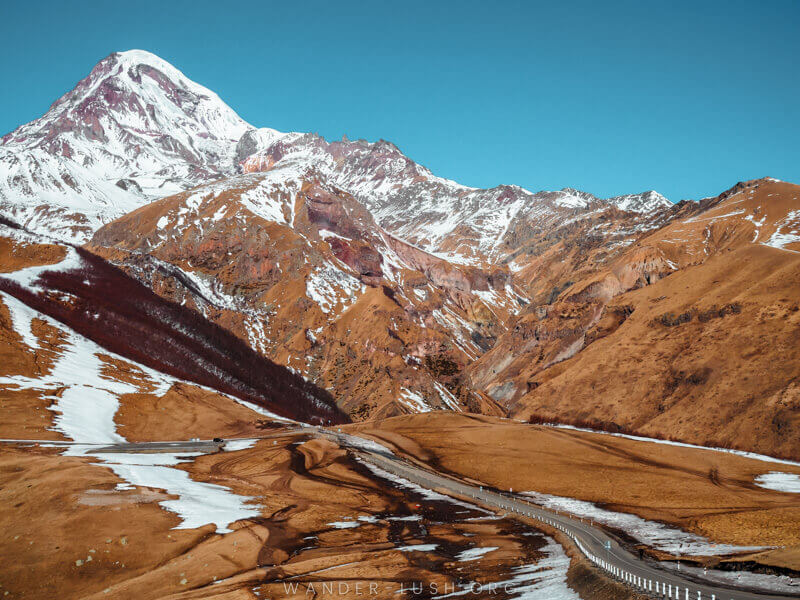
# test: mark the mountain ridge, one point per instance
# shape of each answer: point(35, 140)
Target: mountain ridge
point(138, 107)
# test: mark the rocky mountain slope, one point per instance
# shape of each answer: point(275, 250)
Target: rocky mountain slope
point(301, 271)
point(97, 305)
point(465, 225)
point(691, 333)
point(400, 291)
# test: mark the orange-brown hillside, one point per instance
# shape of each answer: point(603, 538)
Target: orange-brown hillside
point(691, 333)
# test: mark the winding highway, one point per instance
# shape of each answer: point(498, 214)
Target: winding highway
point(598, 546)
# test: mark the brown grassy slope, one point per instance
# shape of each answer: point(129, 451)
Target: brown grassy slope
point(555, 326)
point(15, 255)
point(710, 355)
point(703, 491)
point(125, 317)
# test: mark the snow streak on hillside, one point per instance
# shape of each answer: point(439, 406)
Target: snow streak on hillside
point(86, 399)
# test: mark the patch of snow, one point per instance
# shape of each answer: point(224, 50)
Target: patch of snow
point(757, 224)
point(21, 320)
point(545, 579)
point(652, 533)
point(418, 548)
point(220, 214)
point(474, 553)
point(414, 401)
point(761, 581)
point(368, 519)
point(448, 398)
point(787, 231)
point(257, 409)
point(197, 503)
point(27, 277)
point(234, 445)
point(515, 267)
point(264, 202)
point(330, 287)
point(345, 524)
point(713, 218)
point(326, 234)
point(781, 482)
point(355, 441)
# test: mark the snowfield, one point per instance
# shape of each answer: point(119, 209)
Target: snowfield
point(86, 408)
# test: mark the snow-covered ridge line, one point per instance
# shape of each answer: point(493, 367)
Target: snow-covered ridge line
point(136, 129)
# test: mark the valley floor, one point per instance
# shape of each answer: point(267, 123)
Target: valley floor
point(71, 532)
point(76, 530)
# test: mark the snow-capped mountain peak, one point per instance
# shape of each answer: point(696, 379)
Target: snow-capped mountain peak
point(135, 129)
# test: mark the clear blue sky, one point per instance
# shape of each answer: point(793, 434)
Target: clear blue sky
point(683, 97)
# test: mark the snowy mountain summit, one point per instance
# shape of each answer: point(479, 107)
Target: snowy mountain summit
point(137, 129)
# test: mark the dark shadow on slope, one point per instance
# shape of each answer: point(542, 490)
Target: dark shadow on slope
point(104, 304)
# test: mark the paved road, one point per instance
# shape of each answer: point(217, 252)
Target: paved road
point(591, 540)
point(161, 446)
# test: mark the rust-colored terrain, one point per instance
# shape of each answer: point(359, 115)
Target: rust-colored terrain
point(691, 334)
point(187, 276)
